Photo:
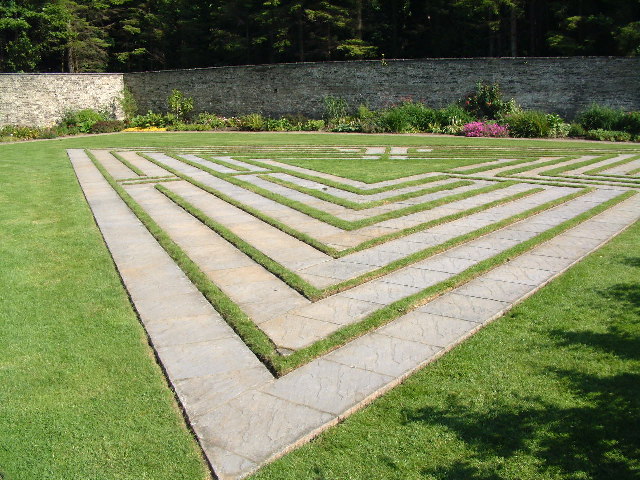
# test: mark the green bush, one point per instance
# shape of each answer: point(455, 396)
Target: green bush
point(211, 121)
point(179, 105)
point(312, 125)
point(347, 125)
point(597, 117)
point(529, 124)
point(576, 130)
point(558, 128)
point(279, 125)
point(107, 126)
point(128, 104)
point(150, 119)
point(335, 109)
point(630, 122)
point(486, 102)
point(608, 135)
point(453, 115)
point(188, 127)
point(254, 122)
point(81, 121)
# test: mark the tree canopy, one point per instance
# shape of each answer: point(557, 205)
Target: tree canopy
point(133, 35)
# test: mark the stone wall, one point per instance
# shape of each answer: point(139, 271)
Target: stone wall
point(42, 99)
point(561, 85)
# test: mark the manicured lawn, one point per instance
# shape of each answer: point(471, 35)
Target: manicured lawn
point(551, 391)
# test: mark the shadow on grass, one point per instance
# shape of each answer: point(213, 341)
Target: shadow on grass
point(595, 437)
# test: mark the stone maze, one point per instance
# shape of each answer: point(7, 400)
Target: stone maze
point(280, 299)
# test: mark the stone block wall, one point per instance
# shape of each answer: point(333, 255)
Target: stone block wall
point(561, 85)
point(42, 99)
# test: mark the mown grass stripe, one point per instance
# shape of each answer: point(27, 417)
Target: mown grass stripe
point(327, 197)
point(128, 164)
point(283, 273)
point(609, 166)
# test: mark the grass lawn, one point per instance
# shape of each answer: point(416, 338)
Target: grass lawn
point(550, 391)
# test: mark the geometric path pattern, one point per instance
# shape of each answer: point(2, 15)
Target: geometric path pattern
point(407, 267)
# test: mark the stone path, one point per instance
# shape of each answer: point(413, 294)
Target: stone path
point(241, 414)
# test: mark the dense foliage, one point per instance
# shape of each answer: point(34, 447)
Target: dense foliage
point(127, 35)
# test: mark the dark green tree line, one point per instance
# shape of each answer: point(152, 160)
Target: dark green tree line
point(130, 35)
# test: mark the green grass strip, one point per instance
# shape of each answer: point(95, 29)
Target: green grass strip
point(329, 218)
point(133, 179)
point(128, 164)
point(438, 221)
point(595, 171)
point(363, 206)
point(401, 307)
point(344, 186)
point(251, 335)
point(252, 211)
point(499, 165)
point(421, 255)
point(150, 180)
point(284, 274)
point(549, 163)
point(232, 166)
point(634, 171)
point(573, 166)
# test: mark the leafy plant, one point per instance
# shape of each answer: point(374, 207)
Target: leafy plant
point(149, 119)
point(598, 117)
point(81, 121)
point(128, 104)
point(576, 130)
point(630, 122)
point(107, 126)
point(487, 102)
point(179, 105)
point(608, 135)
point(529, 124)
point(558, 128)
point(335, 109)
point(254, 122)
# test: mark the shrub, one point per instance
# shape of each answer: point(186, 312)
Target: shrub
point(453, 115)
point(529, 124)
point(150, 119)
point(630, 122)
point(18, 132)
point(347, 125)
point(597, 117)
point(279, 125)
point(188, 127)
point(312, 125)
point(128, 104)
point(107, 126)
point(211, 121)
point(254, 122)
point(558, 128)
point(335, 109)
point(608, 135)
point(484, 129)
point(81, 121)
point(487, 102)
point(576, 130)
point(179, 105)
